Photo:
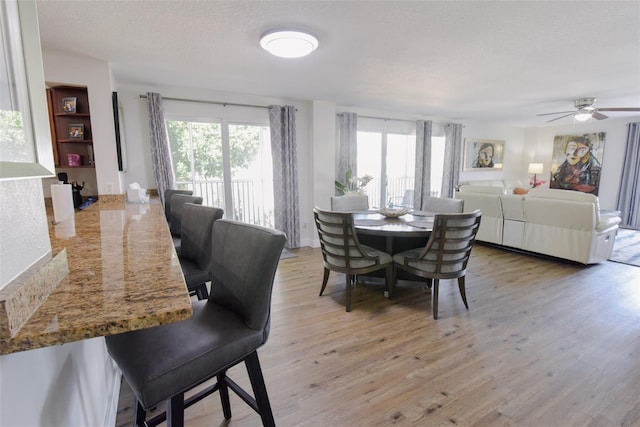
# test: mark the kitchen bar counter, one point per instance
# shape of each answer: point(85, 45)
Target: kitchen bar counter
point(124, 275)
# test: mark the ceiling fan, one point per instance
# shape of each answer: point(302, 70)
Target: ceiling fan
point(585, 109)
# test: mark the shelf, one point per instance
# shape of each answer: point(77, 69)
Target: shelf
point(80, 141)
point(72, 115)
point(75, 167)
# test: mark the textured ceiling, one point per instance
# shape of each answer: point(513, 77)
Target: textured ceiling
point(502, 61)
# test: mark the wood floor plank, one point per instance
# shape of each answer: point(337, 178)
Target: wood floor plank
point(544, 343)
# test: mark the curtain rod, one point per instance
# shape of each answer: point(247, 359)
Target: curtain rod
point(224, 104)
point(399, 120)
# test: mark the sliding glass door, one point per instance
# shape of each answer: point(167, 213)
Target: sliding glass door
point(228, 164)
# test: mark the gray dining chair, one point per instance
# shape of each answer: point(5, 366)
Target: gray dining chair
point(349, 203)
point(165, 362)
point(343, 253)
point(445, 255)
point(167, 200)
point(196, 246)
point(175, 219)
point(442, 205)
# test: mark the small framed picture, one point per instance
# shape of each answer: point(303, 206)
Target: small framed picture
point(483, 154)
point(69, 105)
point(76, 131)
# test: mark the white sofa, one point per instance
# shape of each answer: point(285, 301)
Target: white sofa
point(559, 223)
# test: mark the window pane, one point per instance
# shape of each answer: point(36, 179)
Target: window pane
point(196, 152)
point(252, 175)
point(369, 162)
point(401, 160)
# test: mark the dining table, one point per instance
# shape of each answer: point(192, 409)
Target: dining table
point(393, 234)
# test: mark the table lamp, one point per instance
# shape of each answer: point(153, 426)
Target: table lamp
point(535, 168)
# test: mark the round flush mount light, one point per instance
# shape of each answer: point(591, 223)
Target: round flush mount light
point(288, 43)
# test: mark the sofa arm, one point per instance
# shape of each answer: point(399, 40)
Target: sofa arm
point(606, 222)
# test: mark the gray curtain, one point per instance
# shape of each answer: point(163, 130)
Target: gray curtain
point(422, 183)
point(452, 159)
point(282, 121)
point(629, 194)
point(348, 143)
point(160, 150)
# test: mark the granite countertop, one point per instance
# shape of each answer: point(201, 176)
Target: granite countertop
point(123, 275)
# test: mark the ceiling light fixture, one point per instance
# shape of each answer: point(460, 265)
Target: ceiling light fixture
point(583, 115)
point(288, 43)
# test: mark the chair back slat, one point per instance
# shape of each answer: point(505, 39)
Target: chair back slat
point(341, 249)
point(447, 252)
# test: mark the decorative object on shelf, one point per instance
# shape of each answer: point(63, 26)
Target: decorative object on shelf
point(352, 185)
point(69, 104)
point(74, 159)
point(535, 169)
point(76, 131)
point(483, 154)
point(577, 161)
point(393, 212)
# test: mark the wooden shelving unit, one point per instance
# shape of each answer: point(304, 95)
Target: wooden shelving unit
point(70, 122)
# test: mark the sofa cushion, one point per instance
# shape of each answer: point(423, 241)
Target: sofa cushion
point(481, 189)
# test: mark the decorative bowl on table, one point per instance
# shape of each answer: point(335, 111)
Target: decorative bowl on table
point(393, 212)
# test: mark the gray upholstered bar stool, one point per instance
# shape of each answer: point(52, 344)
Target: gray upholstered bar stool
point(167, 200)
point(175, 222)
point(196, 245)
point(163, 362)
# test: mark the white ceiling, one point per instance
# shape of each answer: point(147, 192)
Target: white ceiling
point(500, 61)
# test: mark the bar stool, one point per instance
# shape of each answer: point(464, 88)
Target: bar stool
point(196, 246)
point(175, 223)
point(163, 362)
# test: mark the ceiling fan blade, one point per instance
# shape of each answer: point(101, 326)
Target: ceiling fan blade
point(598, 116)
point(561, 117)
point(619, 109)
point(559, 112)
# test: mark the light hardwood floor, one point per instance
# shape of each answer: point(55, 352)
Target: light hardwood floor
point(544, 343)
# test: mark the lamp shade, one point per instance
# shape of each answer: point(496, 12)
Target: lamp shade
point(288, 43)
point(536, 168)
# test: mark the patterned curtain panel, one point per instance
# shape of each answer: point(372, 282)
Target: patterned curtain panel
point(629, 195)
point(348, 140)
point(452, 159)
point(282, 121)
point(422, 183)
point(160, 151)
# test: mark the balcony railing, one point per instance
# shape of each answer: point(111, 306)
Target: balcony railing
point(247, 197)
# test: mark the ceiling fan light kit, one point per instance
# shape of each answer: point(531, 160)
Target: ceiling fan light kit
point(585, 110)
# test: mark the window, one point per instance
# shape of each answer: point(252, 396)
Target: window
point(26, 149)
point(386, 151)
point(227, 164)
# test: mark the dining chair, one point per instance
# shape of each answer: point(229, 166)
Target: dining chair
point(163, 362)
point(445, 255)
point(175, 219)
point(442, 205)
point(196, 246)
point(343, 253)
point(167, 200)
point(349, 203)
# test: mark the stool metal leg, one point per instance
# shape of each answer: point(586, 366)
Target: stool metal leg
point(224, 395)
point(175, 411)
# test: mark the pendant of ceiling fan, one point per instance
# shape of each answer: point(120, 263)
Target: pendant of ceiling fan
point(585, 109)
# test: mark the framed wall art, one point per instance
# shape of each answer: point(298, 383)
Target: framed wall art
point(483, 154)
point(577, 162)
